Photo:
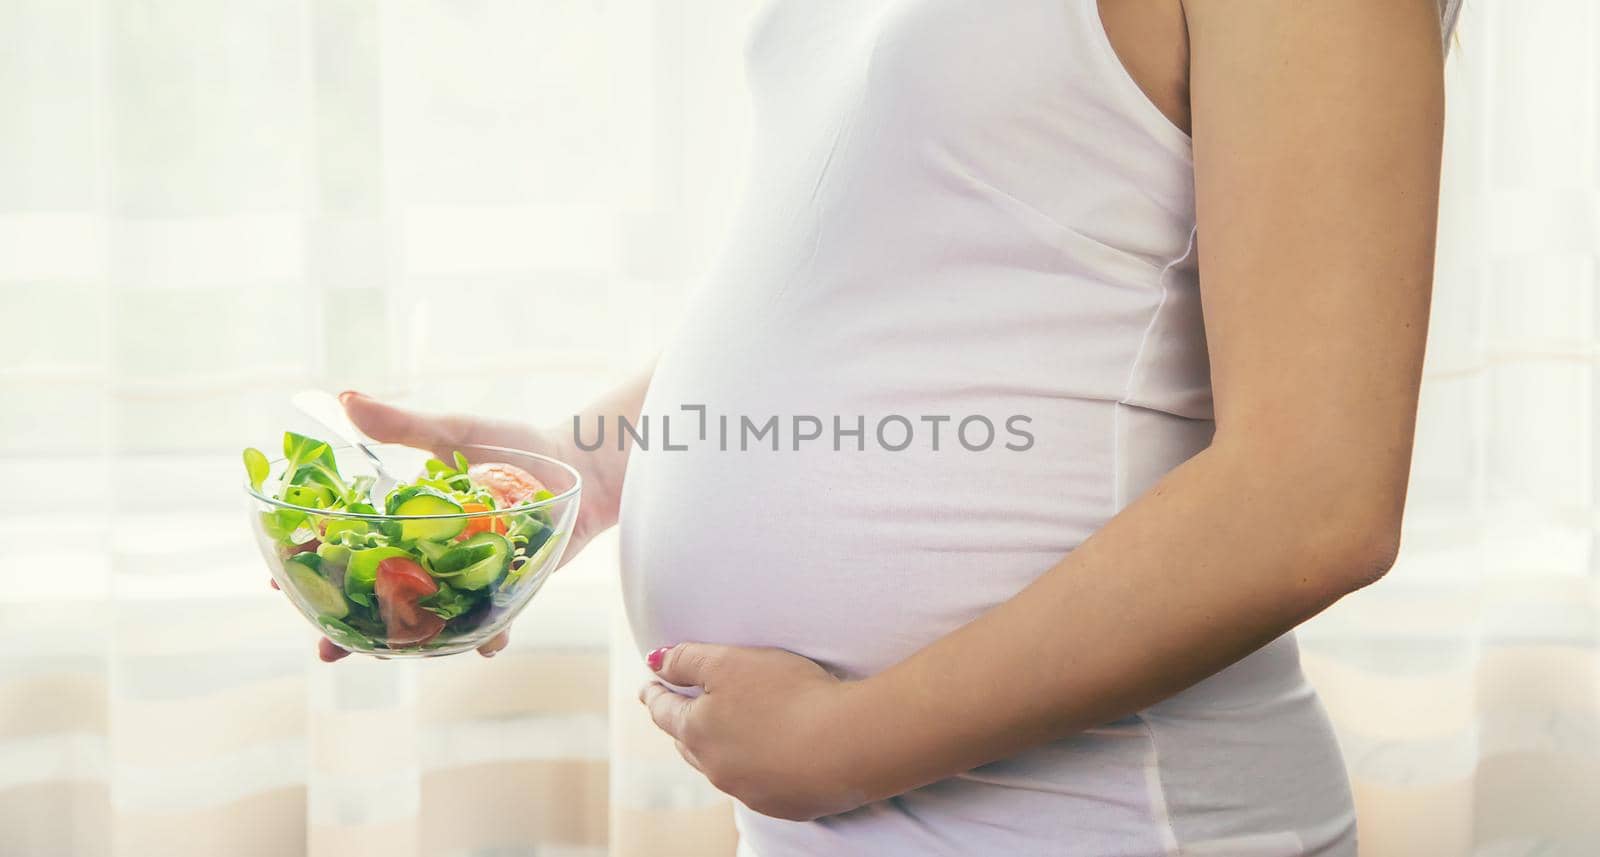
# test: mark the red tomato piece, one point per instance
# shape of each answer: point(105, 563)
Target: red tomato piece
point(400, 584)
point(510, 485)
point(402, 578)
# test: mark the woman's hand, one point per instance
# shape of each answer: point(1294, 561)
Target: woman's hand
point(768, 727)
point(443, 434)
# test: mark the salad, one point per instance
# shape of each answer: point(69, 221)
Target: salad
point(434, 560)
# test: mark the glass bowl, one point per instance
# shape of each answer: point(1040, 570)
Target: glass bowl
point(444, 598)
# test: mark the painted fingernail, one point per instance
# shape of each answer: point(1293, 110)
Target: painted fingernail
point(655, 658)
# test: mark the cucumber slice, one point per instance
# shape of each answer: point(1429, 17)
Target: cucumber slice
point(475, 563)
point(363, 568)
point(550, 546)
point(456, 559)
point(536, 561)
point(319, 594)
point(427, 502)
point(506, 594)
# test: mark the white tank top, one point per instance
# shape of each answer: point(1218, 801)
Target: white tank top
point(958, 211)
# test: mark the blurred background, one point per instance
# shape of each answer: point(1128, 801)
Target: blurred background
point(499, 206)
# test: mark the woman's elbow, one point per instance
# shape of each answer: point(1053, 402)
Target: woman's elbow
point(1371, 557)
point(1360, 546)
point(1339, 505)
point(1342, 523)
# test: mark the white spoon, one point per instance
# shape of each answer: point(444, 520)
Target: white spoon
point(325, 409)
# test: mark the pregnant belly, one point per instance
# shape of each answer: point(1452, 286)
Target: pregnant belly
point(854, 558)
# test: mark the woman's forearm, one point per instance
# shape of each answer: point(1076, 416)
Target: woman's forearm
point(1226, 554)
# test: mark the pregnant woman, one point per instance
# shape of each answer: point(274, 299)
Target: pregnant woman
point(1185, 248)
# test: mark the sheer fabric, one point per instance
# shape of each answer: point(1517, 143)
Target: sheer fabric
point(498, 206)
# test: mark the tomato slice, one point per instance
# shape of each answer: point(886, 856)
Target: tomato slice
point(510, 485)
point(400, 577)
point(399, 585)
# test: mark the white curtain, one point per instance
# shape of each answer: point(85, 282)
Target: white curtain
point(204, 206)
point(497, 206)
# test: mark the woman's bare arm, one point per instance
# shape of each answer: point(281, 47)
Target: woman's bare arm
point(1317, 133)
point(1317, 143)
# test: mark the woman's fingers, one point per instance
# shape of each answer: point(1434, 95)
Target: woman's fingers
point(328, 652)
point(441, 434)
point(689, 756)
point(689, 664)
point(669, 710)
point(389, 424)
point(495, 644)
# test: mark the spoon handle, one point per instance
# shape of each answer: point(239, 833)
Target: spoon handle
point(325, 409)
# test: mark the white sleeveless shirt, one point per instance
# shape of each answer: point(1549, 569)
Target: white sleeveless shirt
point(960, 214)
